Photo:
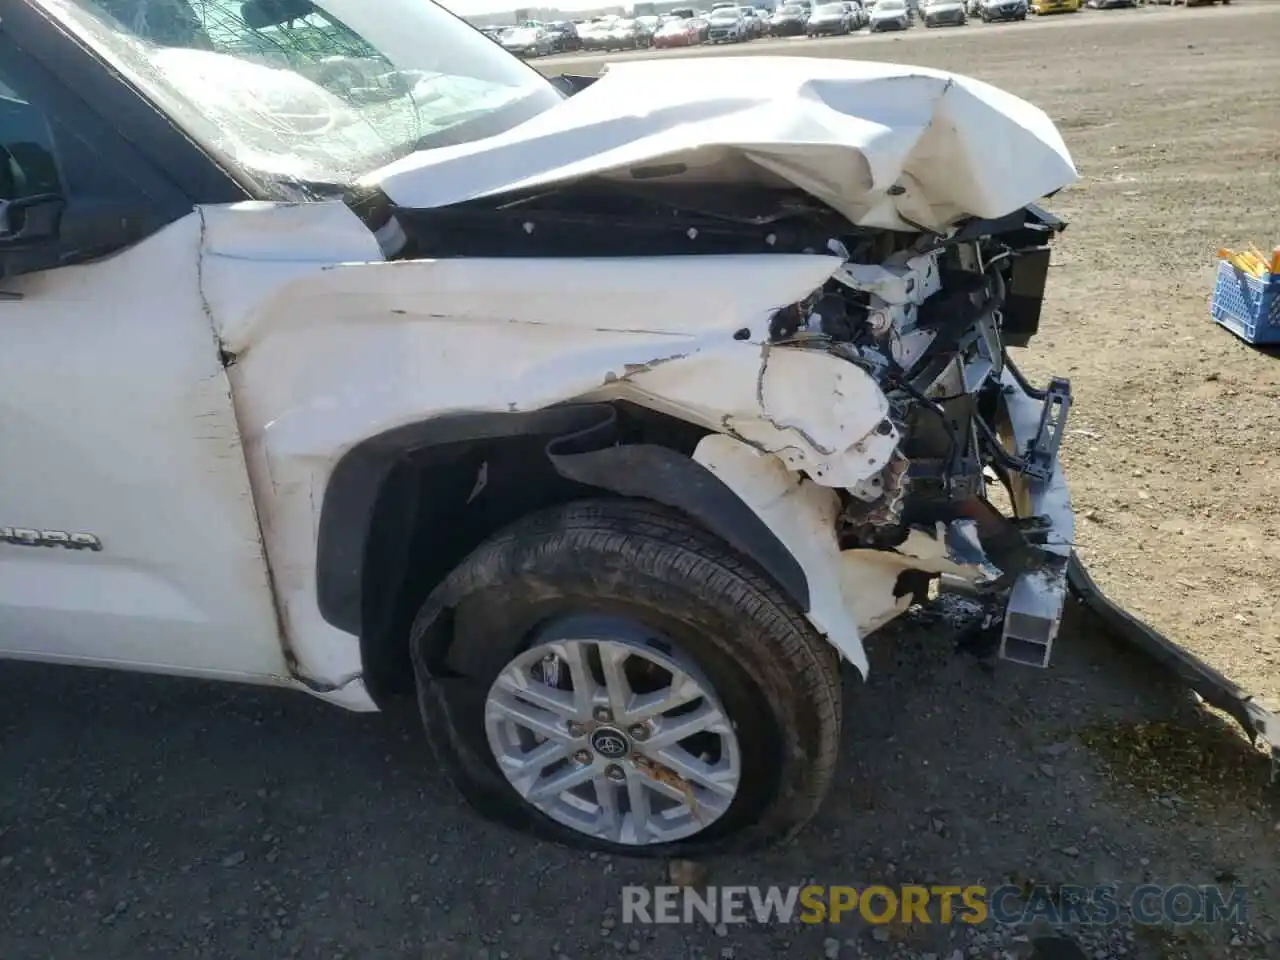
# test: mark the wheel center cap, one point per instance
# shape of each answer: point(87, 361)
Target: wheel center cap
point(610, 742)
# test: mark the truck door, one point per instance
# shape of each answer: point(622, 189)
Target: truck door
point(128, 535)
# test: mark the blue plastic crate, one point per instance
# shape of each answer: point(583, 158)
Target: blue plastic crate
point(1247, 306)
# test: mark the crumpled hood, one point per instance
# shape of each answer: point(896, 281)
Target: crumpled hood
point(886, 145)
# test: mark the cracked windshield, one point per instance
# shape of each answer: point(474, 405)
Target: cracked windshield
point(307, 97)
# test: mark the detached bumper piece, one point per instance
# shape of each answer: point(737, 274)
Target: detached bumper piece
point(1211, 686)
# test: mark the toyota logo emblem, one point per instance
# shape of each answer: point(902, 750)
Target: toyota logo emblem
point(609, 743)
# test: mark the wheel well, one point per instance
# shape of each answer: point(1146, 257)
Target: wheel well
point(432, 493)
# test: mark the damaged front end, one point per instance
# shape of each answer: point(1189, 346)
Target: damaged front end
point(930, 419)
point(930, 322)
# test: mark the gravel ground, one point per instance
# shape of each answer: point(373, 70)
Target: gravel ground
point(152, 816)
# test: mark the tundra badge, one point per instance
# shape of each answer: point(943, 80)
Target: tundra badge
point(24, 537)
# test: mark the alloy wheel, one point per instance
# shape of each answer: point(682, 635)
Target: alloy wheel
point(616, 739)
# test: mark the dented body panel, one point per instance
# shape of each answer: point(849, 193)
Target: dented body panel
point(265, 419)
point(886, 145)
point(813, 308)
point(328, 353)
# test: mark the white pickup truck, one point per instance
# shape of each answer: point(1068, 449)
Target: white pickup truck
point(341, 351)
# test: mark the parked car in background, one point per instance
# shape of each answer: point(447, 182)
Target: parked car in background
point(828, 20)
point(789, 21)
point(629, 35)
point(596, 35)
point(944, 13)
point(728, 25)
point(857, 13)
point(704, 27)
point(1041, 7)
point(643, 28)
point(678, 33)
point(527, 42)
point(648, 26)
point(992, 11)
point(890, 15)
point(564, 36)
point(1113, 4)
point(755, 25)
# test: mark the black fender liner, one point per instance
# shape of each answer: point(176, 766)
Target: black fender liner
point(352, 493)
point(652, 472)
point(583, 447)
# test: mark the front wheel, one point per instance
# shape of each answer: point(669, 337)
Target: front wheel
point(609, 675)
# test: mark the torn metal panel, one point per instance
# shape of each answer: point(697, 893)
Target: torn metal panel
point(817, 412)
point(330, 353)
point(951, 549)
point(802, 515)
point(861, 459)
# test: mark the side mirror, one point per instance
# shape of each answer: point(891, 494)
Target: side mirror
point(570, 84)
point(30, 221)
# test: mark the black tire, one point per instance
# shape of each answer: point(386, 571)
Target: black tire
point(778, 680)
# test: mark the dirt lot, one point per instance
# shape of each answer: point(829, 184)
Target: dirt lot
point(150, 816)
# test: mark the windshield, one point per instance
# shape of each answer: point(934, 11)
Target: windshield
point(829, 10)
point(725, 13)
point(307, 97)
point(889, 6)
point(791, 11)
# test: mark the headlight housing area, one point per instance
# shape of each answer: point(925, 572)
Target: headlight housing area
point(925, 318)
point(928, 318)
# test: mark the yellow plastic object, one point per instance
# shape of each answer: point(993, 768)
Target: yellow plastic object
point(1250, 262)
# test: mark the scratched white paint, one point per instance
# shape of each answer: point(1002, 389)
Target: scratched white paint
point(333, 347)
point(188, 489)
point(116, 420)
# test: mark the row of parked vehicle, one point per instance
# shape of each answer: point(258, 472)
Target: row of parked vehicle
point(728, 22)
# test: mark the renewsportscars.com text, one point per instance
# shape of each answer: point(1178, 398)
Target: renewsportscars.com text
point(1011, 905)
